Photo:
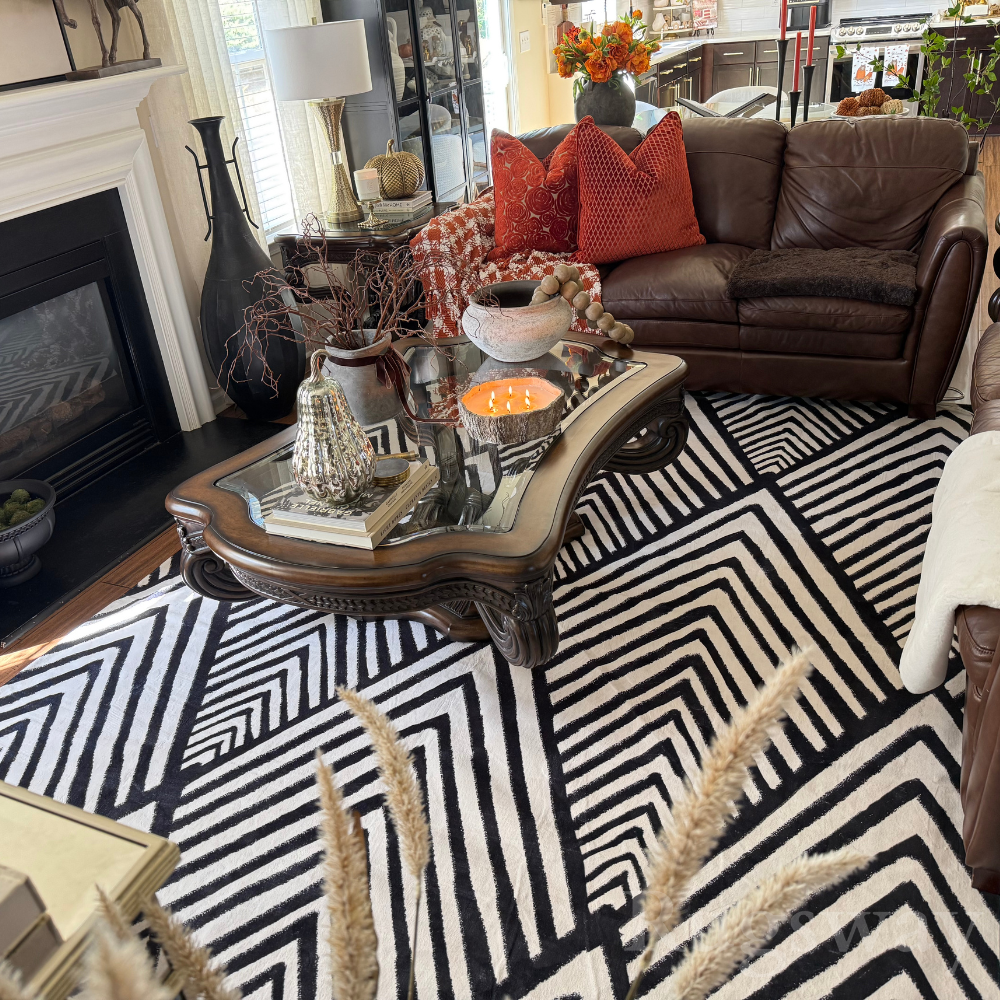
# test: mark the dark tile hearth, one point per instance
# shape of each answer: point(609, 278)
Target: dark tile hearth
point(97, 527)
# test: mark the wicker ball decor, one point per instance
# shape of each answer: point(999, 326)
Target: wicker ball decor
point(873, 98)
point(565, 281)
point(399, 174)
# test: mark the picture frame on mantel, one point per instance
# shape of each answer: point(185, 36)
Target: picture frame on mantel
point(34, 48)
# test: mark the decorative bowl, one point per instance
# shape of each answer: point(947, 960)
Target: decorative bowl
point(512, 410)
point(19, 544)
point(502, 321)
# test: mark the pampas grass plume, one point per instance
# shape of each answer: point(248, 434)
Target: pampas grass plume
point(11, 986)
point(353, 943)
point(700, 817)
point(190, 960)
point(406, 804)
point(743, 929)
point(119, 969)
point(113, 916)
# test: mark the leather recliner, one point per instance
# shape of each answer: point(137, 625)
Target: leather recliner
point(904, 184)
point(979, 644)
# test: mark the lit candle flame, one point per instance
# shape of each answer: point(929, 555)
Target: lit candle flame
point(508, 406)
point(527, 399)
point(510, 390)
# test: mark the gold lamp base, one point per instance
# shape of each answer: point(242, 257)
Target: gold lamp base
point(344, 206)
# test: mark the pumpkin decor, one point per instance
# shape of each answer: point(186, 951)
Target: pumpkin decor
point(399, 174)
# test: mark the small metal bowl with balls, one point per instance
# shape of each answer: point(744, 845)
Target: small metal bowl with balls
point(27, 520)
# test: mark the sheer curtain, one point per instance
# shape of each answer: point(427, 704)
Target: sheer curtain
point(192, 33)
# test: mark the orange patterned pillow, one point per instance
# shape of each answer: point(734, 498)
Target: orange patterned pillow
point(536, 201)
point(634, 205)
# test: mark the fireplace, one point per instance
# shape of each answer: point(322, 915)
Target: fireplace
point(82, 383)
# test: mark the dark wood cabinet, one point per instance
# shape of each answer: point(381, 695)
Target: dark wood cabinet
point(679, 76)
point(955, 91)
point(427, 90)
point(755, 64)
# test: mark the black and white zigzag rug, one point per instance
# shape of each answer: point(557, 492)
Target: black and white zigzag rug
point(784, 523)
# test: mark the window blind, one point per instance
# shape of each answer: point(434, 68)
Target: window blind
point(244, 41)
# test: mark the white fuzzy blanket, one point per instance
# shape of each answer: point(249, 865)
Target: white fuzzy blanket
point(962, 559)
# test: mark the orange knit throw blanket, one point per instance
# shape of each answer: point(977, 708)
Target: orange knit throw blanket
point(453, 251)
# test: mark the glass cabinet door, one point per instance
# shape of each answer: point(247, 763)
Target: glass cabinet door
point(477, 141)
point(468, 41)
point(437, 45)
point(411, 136)
point(402, 38)
point(444, 113)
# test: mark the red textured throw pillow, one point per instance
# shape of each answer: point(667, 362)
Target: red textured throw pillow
point(536, 201)
point(634, 205)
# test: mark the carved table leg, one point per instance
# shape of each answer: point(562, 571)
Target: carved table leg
point(658, 443)
point(528, 634)
point(204, 572)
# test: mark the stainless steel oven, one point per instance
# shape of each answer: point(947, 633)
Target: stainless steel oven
point(890, 29)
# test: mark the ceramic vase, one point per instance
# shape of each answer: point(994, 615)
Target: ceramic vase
point(502, 321)
point(398, 66)
point(236, 258)
point(370, 400)
point(332, 459)
point(611, 103)
point(18, 545)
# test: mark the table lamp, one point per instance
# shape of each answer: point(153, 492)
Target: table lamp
point(323, 64)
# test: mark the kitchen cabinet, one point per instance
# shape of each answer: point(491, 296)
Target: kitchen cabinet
point(678, 76)
point(755, 63)
point(954, 90)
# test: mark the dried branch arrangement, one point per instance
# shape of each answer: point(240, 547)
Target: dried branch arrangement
point(696, 823)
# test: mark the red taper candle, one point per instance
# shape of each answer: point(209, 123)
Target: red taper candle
point(798, 60)
point(812, 34)
point(783, 23)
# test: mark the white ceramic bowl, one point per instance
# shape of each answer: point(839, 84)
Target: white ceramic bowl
point(502, 321)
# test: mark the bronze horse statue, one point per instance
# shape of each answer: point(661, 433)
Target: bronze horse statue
point(108, 58)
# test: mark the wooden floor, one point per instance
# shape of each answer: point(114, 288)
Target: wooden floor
point(86, 604)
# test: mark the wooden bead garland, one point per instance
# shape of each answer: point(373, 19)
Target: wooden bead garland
point(565, 281)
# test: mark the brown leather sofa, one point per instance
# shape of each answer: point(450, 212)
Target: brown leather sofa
point(908, 184)
point(979, 643)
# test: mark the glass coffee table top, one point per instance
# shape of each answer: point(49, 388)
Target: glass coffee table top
point(480, 485)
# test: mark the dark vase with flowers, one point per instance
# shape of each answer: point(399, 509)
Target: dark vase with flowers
point(611, 103)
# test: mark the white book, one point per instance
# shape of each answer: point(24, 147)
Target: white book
point(363, 534)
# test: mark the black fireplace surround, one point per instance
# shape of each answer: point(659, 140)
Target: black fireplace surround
point(82, 383)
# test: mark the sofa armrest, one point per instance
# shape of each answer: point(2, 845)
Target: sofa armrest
point(985, 392)
point(949, 272)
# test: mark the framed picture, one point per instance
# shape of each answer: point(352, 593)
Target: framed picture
point(33, 44)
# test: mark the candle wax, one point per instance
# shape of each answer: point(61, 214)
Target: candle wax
point(783, 18)
point(812, 35)
point(538, 393)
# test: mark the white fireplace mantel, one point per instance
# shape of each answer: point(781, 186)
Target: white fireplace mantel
point(64, 141)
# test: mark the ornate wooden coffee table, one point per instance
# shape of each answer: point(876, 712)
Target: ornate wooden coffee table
point(474, 559)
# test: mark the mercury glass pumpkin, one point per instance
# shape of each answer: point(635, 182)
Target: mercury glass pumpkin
point(333, 459)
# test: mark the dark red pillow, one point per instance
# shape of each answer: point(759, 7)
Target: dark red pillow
point(536, 201)
point(634, 205)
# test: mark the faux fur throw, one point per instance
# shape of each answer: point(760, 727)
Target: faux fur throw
point(886, 276)
point(961, 559)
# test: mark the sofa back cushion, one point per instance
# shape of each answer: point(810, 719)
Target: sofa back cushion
point(735, 168)
point(871, 183)
point(543, 141)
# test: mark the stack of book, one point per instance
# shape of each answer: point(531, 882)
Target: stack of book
point(415, 204)
point(28, 937)
point(362, 524)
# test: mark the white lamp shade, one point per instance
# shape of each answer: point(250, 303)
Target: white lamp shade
point(318, 61)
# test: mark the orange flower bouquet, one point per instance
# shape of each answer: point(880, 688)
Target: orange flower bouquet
point(618, 48)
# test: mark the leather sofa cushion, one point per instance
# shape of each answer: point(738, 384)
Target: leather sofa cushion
point(978, 635)
point(678, 334)
point(986, 368)
point(868, 183)
point(815, 312)
point(543, 140)
point(688, 284)
point(986, 417)
point(735, 167)
point(827, 343)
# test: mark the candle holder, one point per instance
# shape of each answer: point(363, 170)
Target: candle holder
point(369, 192)
point(512, 410)
point(372, 221)
point(793, 101)
point(782, 52)
point(807, 79)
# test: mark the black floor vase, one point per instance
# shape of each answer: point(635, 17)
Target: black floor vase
point(229, 289)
